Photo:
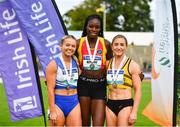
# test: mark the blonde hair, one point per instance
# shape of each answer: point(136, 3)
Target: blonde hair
point(66, 37)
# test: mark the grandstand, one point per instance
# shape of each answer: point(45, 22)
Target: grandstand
point(142, 55)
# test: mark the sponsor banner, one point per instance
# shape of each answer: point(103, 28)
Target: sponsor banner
point(16, 67)
point(42, 24)
point(160, 109)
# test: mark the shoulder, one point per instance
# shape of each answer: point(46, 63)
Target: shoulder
point(52, 63)
point(134, 67)
point(52, 66)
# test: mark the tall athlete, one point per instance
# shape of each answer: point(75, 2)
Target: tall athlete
point(93, 52)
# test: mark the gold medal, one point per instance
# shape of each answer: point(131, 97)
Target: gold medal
point(92, 56)
point(92, 66)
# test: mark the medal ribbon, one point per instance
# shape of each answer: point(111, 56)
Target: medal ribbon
point(119, 68)
point(92, 57)
point(67, 75)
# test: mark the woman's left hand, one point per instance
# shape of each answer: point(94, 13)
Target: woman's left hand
point(132, 118)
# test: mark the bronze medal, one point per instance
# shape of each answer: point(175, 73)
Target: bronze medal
point(114, 86)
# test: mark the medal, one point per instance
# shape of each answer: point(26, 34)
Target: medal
point(68, 73)
point(115, 73)
point(92, 66)
point(92, 57)
point(114, 86)
point(68, 87)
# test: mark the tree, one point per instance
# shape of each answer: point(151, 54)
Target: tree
point(121, 15)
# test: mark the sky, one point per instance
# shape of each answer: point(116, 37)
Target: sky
point(66, 5)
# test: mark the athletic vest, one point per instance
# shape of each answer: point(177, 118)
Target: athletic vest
point(124, 79)
point(84, 58)
point(61, 80)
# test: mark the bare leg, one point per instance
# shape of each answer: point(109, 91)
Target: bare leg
point(60, 118)
point(111, 118)
point(85, 110)
point(98, 112)
point(123, 116)
point(74, 117)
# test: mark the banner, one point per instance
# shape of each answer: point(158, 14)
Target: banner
point(44, 29)
point(16, 67)
point(160, 109)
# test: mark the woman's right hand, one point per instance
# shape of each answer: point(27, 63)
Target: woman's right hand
point(53, 117)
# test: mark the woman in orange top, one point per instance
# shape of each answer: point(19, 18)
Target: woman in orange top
point(93, 52)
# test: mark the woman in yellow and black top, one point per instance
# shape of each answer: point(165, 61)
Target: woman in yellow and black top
point(122, 77)
point(93, 52)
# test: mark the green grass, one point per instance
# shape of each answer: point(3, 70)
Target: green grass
point(5, 116)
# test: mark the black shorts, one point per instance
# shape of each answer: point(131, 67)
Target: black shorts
point(117, 105)
point(92, 87)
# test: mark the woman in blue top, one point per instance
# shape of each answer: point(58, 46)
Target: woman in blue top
point(62, 76)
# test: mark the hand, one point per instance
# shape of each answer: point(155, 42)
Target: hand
point(53, 117)
point(141, 75)
point(132, 118)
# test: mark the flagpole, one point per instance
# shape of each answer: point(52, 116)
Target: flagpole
point(173, 6)
point(102, 9)
point(38, 82)
point(104, 16)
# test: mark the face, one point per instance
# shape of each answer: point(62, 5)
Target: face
point(93, 27)
point(68, 47)
point(119, 46)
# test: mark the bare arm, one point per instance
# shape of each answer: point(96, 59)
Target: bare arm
point(51, 72)
point(135, 71)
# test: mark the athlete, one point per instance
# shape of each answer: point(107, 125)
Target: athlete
point(123, 76)
point(93, 52)
point(62, 76)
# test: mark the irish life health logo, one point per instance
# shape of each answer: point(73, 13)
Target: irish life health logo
point(161, 58)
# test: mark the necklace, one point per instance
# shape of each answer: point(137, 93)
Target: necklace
point(68, 74)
